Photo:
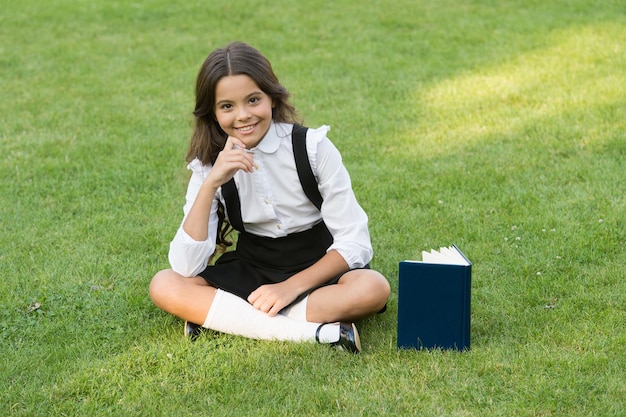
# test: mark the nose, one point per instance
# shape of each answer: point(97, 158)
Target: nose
point(244, 113)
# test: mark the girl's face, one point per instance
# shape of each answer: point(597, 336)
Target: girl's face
point(242, 109)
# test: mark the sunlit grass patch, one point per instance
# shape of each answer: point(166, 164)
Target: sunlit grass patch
point(566, 86)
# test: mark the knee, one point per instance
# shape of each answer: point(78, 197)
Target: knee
point(373, 290)
point(379, 288)
point(162, 287)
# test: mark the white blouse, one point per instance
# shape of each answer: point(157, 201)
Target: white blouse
point(273, 203)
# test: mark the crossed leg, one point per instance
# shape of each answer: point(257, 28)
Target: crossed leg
point(187, 298)
point(358, 294)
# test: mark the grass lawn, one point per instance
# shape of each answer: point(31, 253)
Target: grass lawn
point(496, 125)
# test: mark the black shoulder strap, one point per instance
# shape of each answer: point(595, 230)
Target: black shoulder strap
point(233, 205)
point(305, 173)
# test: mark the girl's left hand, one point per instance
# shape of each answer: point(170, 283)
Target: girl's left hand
point(272, 298)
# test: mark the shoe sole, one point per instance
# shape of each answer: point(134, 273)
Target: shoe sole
point(357, 339)
point(194, 334)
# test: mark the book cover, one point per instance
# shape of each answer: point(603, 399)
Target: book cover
point(434, 301)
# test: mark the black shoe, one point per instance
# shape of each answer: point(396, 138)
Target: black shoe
point(192, 330)
point(348, 338)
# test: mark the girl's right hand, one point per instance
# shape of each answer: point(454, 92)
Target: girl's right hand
point(231, 159)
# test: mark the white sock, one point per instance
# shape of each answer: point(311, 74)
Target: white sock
point(296, 311)
point(233, 315)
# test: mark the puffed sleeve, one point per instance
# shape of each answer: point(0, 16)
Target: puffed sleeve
point(187, 256)
point(344, 217)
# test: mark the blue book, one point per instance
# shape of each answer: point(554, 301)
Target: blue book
point(434, 297)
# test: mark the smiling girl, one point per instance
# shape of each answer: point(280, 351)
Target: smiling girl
point(299, 272)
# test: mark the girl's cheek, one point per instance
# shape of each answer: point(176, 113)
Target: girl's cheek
point(223, 122)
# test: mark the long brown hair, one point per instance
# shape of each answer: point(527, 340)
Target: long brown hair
point(208, 138)
point(236, 58)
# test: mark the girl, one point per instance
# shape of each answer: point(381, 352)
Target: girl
point(298, 273)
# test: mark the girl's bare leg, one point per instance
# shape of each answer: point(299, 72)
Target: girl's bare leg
point(187, 298)
point(358, 294)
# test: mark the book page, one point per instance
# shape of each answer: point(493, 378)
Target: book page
point(453, 252)
point(445, 256)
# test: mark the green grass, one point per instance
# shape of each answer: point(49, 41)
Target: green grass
point(496, 125)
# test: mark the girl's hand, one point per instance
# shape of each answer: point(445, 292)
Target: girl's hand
point(231, 159)
point(272, 298)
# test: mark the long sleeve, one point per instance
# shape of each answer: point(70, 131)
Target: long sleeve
point(187, 256)
point(344, 217)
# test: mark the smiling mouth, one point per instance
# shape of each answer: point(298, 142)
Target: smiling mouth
point(246, 129)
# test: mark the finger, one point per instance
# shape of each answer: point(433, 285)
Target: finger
point(253, 297)
point(232, 141)
point(247, 159)
point(228, 145)
point(239, 156)
point(258, 305)
point(234, 160)
point(262, 304)
point(267, 306)
point(274, 310)
point(250, 298)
